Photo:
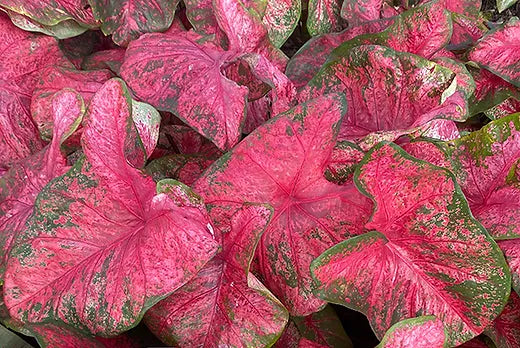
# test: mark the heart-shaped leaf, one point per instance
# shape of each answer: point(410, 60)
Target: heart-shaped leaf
point(224, 298)
point(282, 163)
point(424, 242)
point(499, 52)
point(420, 332)
point(104, 244)
point(174, 73)
point(126, 20)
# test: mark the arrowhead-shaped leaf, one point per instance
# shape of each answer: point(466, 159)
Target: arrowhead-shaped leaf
point(174, 73)
point(26, 178)
point(499, 52)
point(387, 91)
point(104, 244)
point(420, 332)
point(424, 242)
point(505, 330)
point(324, 17)
point(210, 309)
point(280, 19)
point(126, 20)
point(282, 163)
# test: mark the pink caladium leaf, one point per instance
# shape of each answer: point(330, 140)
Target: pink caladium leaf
point(343, 162)
point(505, 330)
point(224, 298)
point(423, 30)
point(511, 250)
point(24, 180)
point(484, 163)
point(387, 91)
point(314, 53)
point(321, 328)
point(324, 17)
point(201, 16)
point(507, 107)
point(52, 12)
point(498, 51)
point(425, 241)
point(126, 20)
point(106, 243)
point(19, 74)
point(420, 332)
point(258, 111)
point(107, 59)
point(466, 31)
point(187, 141)
point(490, 91)
point(282, 163)
point(53, 79)
point(280, 19)
point(184, 168)
point(359, 11)
point(174, 73)
point(147, 121)
point(62, 30)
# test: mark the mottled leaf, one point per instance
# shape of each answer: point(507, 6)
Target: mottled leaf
point(324, 17)
point(280, 19)
point(184, 168)
point(126, 20)
point(505, 330)
point(426, 254)
point(210, 309)
point(107, 59)
point(20, 71)
point(359, 11)
point(201, 16)
point(499, 52)
point(387, 91)
point(24, 180)
point(343, 162)
point(490, 91)
point(52, 12)
point(420, 332)
point(147, 121)
point(105, 244)
point(503, 5)
point(511, 250)
point(175, 73)
point(53, 79)
point(282, 163)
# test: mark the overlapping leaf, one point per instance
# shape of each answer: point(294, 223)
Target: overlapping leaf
point(499, 52)
point(511, 250)
point(126, 20)
point(490, 91)
point(25, 179)
point(324, 17)
point(505, 330)
point(280, 19)
point(426, 254)
point(387, 91)
point(104, 245)
point(483, 163)
point(359, 11)
point(282, 163)
point(224, 298)
point(420, 332)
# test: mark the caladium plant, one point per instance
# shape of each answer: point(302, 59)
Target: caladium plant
point(255, 173)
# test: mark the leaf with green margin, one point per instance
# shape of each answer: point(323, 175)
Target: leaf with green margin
point(52, 12)
point(282, 163)
point(499, 52)
point(503, 5)
point(126, 20)
point(343, 162)
point(219, 302)
point(147, 120)
point(420, 332)
point(490, 91)
point(20, 185)
point(314, 53)
point(430, 256)
point(482, 162)
point(388, 91)
point(321, 328)
point(175, 73)
point(200, 15)
point(505, 330)
point(53, 79)
point(20, 71)
point(357, 12)
point(63, 30)
point(324, 17)
point(507, 107)
point(422, 30)
point(105, 244)
point(281, 18)
point(511, 250)
point(107, 59)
